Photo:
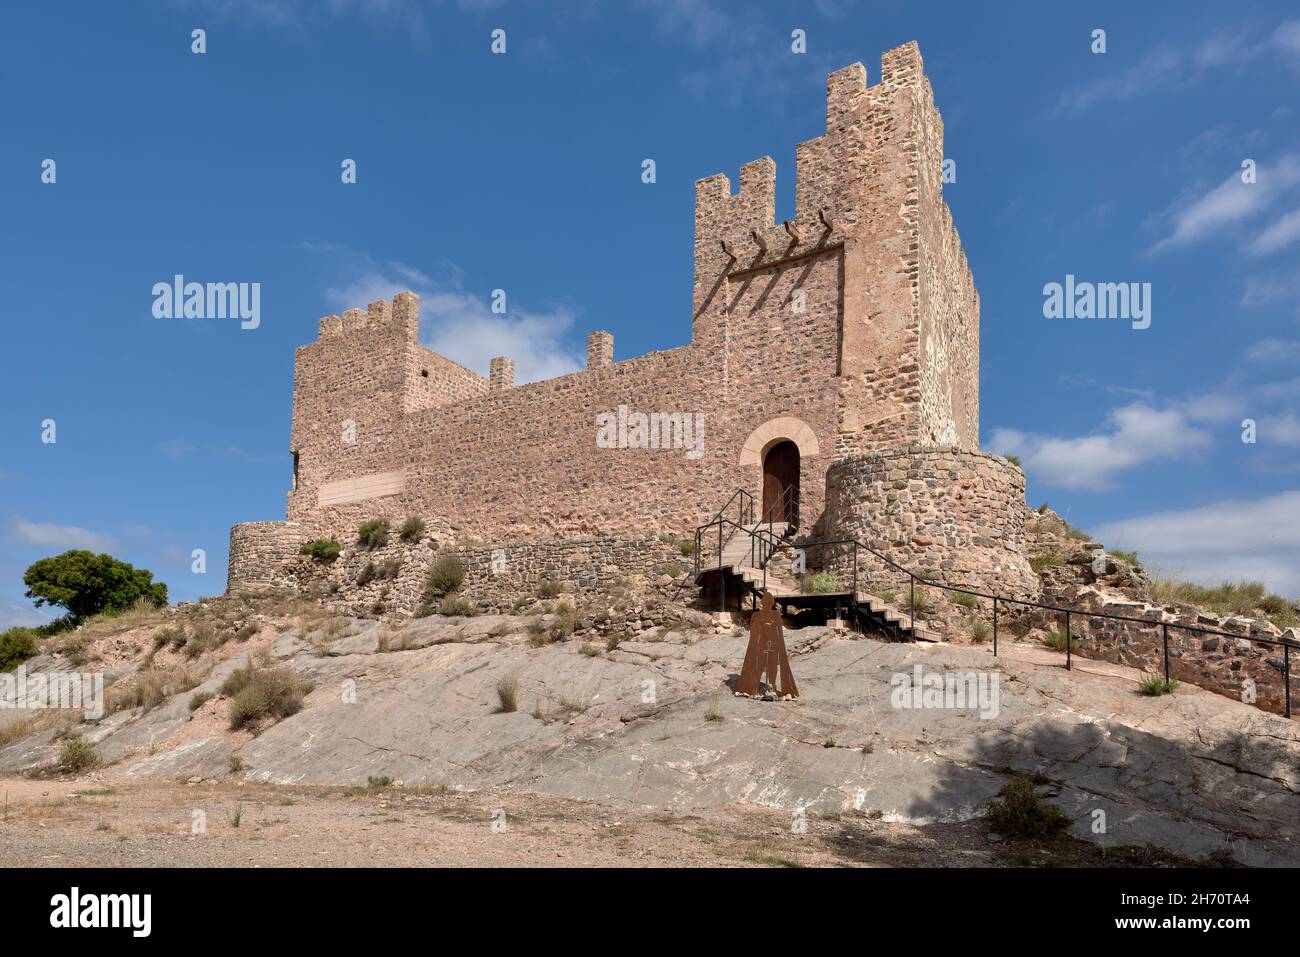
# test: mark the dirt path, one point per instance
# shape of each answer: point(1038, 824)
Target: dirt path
point(85, 823)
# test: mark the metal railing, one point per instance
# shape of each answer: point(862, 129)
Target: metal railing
point(764, 543)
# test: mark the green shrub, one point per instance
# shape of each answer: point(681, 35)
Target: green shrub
point(456, 606)
point(821, 583)
point(547, 588)
point(918, 601)
point(1057, 639)
point(963, 598)
point(446, 575)
point(373, 534)
point(979, 630)
point(1130, 557)
point(85, 584)
point(77, 754)
point(16, 646)
point(672, 570)
point(686, 547)
point(1154, 684)
point(412, 529)
point(1022, 813)
point(366, 575)
point(1013, 459)
point(259, 693)
point(322, 549)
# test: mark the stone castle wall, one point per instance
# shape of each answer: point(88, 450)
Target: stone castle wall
point(956, 515)
point(816, 322)
point(258, 551)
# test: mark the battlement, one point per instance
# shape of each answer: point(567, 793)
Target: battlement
point(404, 310)
point(738, 231)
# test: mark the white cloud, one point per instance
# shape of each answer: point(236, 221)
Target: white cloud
point(1165, 67)
point(62, 537)
point(1226, 541)
point(1280, 234)
point(1274, 350)
point(1283, 429)
point(1158, 68)
point(1137, 433)
point(1230, 203)
point(462, 326)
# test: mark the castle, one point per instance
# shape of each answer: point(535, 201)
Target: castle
point(833, 368)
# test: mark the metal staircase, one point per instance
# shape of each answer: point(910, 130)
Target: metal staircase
point(737, 554)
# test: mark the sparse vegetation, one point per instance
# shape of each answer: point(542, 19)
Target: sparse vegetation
point(150, 687)
point(77, 754)
point(1057, 639)
point(257, 694)
point(964, 599)
point(373, 533)
point(822, 583)
point(1248, 598)
point(322, 549)
point(714, 713)
point(1013, 459)
point(565, 617)
point(1046, 560)
point(456, 605)
point(686, 547)
point(547, 588)
point(412, 529)
point(508, 693)
point(589, 650)
point(366, 575)
point(446, 575)
point(1153, 684)
point(1130, 557)
point(1022, 813)
point(16, 646)
point(199, 700)
point(979, 630)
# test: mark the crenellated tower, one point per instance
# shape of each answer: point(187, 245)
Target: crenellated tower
point(869, 199)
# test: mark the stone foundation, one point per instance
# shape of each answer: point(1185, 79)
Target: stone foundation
point(958, 517)
point(497, 574)
point(258, 550)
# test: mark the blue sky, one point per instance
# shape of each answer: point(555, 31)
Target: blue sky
point(522, 171)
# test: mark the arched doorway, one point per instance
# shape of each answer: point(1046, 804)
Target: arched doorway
point(781, 482)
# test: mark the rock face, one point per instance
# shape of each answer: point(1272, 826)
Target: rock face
point(1246, 660)
point(653, 724)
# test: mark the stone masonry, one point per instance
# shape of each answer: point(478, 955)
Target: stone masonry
point(849, 331)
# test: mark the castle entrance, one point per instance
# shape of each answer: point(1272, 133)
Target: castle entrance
point(781, 482)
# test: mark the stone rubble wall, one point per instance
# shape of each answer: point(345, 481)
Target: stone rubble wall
point(956, 515)
point(257, 552)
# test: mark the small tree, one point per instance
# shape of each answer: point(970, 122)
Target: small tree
point(85, 584)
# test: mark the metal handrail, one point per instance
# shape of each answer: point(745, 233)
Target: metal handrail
point(772, 542)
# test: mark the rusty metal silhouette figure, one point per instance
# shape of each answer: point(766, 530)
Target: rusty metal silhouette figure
point(766, 656)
